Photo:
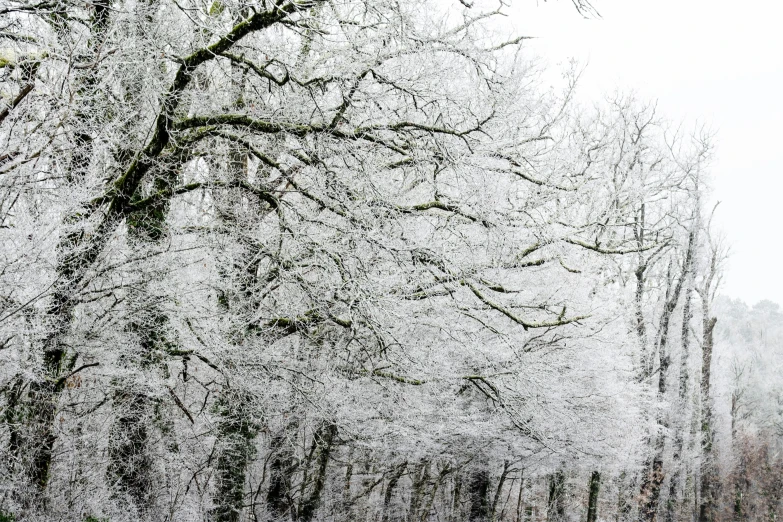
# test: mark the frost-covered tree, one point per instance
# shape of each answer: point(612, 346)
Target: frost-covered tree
point(330, 259)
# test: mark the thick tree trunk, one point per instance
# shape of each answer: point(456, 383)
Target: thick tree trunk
point(237, 431)
point(129, 460)
point(675, 483)
point(651, 487)
point(478, 492)
point(34, 437)
point(236, 435)
point(131, 464)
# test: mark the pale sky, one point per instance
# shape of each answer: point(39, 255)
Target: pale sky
point(713, 61)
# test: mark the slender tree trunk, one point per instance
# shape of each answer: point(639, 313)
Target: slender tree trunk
point(556, 501)
point(444, 473)
point(624, 504)
point(278, 498)
point(347, 501)
point(592, 500)
point(645, 363)
point(520, 505)
point(421, 477)
point(388, 515)
point(456, 506)
point(656, 474)
point(708, 472)
point(740, 488)
point(675, 484)
point(323, 441)
point(499, 490)
point(739, 475)
point(691, 497)
point(645, 359)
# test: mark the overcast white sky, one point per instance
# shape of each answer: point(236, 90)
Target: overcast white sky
point(714, 61)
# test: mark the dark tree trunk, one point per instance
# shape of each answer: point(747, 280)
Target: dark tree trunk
point(278, 497)
point(131, 465)
point(651, 485)
point(708, 475)
point(421, 476)
point(323, 442)
point(32, 436)
point(442, 476)
point(129, 459)
point(518, 517)
point(740, 471)
point(592, 500)
point(675, 484)
point(499, 490)
point(347, 501)
point(236, 435)
point(388, 495)
point(556, 500)
point(478, 491)
point(236, 431)
point(645, 359)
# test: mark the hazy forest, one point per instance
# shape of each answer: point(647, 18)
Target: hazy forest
point(357, 260)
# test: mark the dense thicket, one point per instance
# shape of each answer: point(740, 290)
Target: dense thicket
point(352, 260)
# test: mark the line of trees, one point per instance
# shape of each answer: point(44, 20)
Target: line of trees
point(353, 260)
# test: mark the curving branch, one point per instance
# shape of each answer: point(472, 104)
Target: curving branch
point(610, 251)
point(560, 321)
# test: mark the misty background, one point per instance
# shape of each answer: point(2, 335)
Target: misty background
point(711, 63)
